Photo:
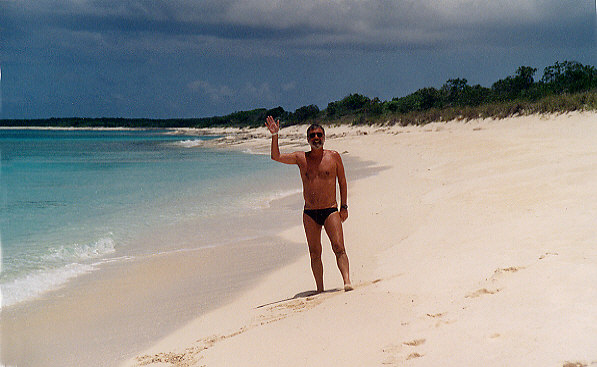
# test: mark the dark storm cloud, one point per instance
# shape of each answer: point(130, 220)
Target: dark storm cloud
point(205, 57)
point(308, 24)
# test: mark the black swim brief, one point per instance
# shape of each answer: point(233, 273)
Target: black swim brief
point(320, 215)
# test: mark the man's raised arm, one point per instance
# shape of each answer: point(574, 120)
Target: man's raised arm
point(274, 127)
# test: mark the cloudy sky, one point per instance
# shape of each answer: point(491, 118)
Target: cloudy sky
point(198, 58)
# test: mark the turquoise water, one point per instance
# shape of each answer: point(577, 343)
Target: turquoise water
point(72, 200)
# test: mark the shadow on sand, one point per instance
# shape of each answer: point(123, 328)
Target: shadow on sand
point(304, 294)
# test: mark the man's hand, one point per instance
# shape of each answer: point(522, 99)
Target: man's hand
point(272, 125)
point(343, 214)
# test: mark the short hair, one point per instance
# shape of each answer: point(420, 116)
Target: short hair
point(315, 126)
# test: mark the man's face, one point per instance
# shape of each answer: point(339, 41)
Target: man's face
point(316, 138)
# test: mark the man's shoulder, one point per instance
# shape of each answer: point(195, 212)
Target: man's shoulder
point(332, 153)
point(300, 155)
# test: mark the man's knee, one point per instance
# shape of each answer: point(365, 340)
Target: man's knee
point(339, 250)
point(315, 255)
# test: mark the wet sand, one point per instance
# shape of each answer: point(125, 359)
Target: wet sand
point(104, 317)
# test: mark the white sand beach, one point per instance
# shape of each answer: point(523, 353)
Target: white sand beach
point(473, 245)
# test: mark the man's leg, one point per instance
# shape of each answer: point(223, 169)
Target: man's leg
point(333, 228)
point(313, 234)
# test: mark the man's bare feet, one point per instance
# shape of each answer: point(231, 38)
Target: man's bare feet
point(348, 287)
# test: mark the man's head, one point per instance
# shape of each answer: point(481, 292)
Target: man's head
point(315, 136)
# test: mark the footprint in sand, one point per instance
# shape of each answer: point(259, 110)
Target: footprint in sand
point(414, 355)
point(396, 353)
point(439, 319)
point(192, 355)
point(548, 254)
point(287, 308)
point(501, 271)
point(481, 292)
point(579, 364)
point(512, 269)
point(391, 351)
point(574, 364)
point(273, 312)
point(415, 342)
point(495, 277)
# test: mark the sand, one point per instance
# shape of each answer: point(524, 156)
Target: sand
point(473, 244)
point(106, 316)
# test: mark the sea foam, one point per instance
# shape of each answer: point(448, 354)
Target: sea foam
point(60, 265)
point(191, 143)
point(264, 200)
point(35, 284)
point(102, 247)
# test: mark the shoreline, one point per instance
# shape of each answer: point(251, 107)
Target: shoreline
point(121, 302)
point(125, 304)
point(461, 221)
point(69, 128)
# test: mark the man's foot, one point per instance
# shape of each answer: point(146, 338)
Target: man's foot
point(348, 287)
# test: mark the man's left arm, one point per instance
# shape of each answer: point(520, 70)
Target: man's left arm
point(343, 187)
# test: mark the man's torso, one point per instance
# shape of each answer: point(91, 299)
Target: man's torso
point(319, 179)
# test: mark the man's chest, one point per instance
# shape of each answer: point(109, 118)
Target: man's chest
point(318, 169)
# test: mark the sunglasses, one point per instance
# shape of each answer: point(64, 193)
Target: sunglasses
point(312, 135)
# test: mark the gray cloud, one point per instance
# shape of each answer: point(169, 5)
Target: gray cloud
point(219, 93)
point(305, 24)
point(216, 93)
point(189, 57)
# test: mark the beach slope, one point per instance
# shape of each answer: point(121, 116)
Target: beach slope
point(473, 244)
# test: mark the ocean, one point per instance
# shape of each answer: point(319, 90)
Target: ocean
point(72, 201)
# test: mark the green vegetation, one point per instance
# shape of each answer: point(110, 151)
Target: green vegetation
point(564, 87)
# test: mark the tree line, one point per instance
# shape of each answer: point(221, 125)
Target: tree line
point(505, 97)
point(568, 77)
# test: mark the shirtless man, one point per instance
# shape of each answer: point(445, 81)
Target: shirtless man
point(319, 170)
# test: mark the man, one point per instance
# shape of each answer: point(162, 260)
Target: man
point(319, 169)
